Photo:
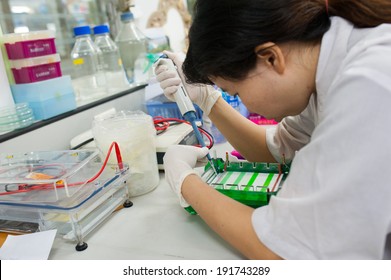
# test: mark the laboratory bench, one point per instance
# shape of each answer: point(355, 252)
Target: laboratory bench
point(156, 227)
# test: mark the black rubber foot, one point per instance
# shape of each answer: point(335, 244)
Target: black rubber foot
point(81, 246)
point(128, 204)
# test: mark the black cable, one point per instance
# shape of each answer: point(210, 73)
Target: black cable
point(82, 144)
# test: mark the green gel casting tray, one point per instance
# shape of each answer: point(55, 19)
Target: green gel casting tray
point(249, 183)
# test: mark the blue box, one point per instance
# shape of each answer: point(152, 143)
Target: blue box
point(161, 106)
point(47, 98)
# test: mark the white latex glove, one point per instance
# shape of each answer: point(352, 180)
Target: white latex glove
point(179, 162)
point(204, 96)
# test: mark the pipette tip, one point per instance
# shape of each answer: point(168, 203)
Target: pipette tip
point(211, 164)
point(213, 167)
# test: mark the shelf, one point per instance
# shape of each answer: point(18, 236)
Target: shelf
point(56, 133)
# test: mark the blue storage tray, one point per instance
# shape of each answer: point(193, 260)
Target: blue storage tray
point(161, 106)
point(47, 98)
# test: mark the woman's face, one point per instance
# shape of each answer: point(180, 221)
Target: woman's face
point(274, 94)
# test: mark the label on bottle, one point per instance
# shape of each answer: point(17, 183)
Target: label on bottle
point(78, 61)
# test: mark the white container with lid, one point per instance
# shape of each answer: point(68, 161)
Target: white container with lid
point(136, 136)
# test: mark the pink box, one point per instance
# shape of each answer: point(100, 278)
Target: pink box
point(38, 69)
point(260, 120)
point(27, 45)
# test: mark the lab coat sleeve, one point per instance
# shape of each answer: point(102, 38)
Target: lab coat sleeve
point(292, 133)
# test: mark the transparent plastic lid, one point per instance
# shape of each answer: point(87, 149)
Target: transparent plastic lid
point(44, 176)
point(56, 180)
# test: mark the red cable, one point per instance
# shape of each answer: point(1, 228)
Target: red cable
point(166, 123)
point(119, 160)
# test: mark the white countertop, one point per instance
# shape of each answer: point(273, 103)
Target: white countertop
point(155, 227)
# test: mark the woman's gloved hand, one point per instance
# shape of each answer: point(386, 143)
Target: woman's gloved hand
point(179, 162)
point(204, 96)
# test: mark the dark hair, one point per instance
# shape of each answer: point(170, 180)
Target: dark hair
point(224, 33)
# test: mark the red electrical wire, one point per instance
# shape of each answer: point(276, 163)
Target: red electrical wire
point(119, 160)
point(48, 186)
point(161, 124)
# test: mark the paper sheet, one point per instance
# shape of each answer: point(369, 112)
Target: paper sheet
point(33, 246)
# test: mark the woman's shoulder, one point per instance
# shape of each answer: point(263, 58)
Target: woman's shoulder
point(346, 47)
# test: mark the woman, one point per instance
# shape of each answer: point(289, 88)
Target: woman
point(323, 69)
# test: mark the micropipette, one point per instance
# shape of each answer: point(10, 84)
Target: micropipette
point(185, 105)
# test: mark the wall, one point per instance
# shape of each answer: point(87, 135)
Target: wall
point(174, 27)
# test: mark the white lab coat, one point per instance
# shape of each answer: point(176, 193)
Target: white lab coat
point(336, 201)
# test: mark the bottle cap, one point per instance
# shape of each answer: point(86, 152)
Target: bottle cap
point(101, 29)
point(127, 16)
point(82, 30)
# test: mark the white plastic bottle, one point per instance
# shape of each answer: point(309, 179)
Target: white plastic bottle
point(88, 78)
point(131, 43)
point(110, 60)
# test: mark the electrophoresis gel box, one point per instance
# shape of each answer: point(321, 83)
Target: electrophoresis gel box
point(71, 191)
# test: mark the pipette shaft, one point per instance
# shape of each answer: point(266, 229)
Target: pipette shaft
point(186, 106)
point(192, 121)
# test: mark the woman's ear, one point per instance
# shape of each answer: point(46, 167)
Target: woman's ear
point(271, 55)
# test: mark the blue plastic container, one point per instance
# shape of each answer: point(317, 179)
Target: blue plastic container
point(163, 107)
point(47, 98)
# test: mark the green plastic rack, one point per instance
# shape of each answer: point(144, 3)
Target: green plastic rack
point(251, 183)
